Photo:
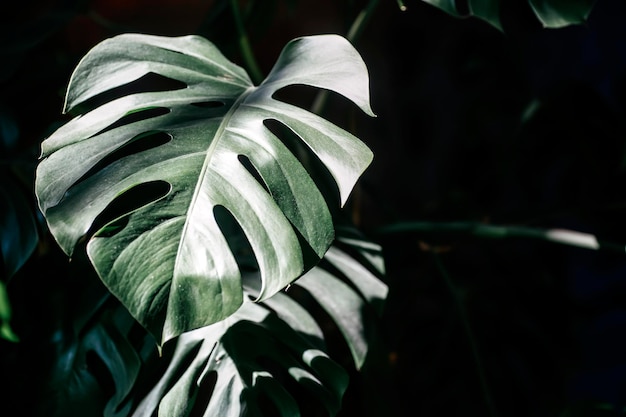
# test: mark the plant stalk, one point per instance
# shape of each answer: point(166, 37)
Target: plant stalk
point(244, 45)
point(487, 231)
point(469, 334)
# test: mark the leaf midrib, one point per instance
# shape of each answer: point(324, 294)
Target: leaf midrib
point(209, 153)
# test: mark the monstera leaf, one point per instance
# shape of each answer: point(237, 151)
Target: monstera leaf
point(168, 133)
point(270, 358)
point(551, 13)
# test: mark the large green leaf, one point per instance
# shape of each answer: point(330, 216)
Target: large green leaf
point(178, 155)
point(551, 13)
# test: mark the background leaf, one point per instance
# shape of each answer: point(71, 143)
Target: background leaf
point(5, 315)
point(561, 13)
point(18, 230)
point(96, 368)
point(271, 358)
point(551, 13)
point(18, 240)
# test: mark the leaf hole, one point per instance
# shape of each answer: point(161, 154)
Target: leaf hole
point(329, 104)
point(137, 116)
point(336, 343)
point(209, 104)
point(96, 366)
point(141, 143)
point(249, 166)
point(115, 217)
point(136, 145)
point(150, 82)
point(236, 238)
point(203, 394)
point(313, 165)
point(298, 94)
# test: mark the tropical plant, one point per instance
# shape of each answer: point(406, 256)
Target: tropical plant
point(180, 190)
point(214, 269)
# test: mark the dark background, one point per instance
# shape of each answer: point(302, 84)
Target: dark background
point(524, 127)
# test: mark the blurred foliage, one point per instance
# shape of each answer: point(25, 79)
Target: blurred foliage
point(551, 13)
point(5, 316)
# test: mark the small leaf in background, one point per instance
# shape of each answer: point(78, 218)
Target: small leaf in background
point(551, 13)
point(96, 367)
point(5, 316)
point(18, 230)
point(488, 10)
point(561, 13)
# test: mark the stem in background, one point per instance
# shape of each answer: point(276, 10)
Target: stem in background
point(560, 236)
point(107, 24)
point(244, 45)
point(469, 334)
point(361, 20)
point(353, 34)
point(401, 5)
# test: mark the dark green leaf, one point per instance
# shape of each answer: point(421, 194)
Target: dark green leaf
point(5, 315)
point(560, 13)
point(95, 370)
point(18, 230)
point(551, 13)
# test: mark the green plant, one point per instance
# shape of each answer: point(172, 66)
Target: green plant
point(180, 192)
point(289, 274)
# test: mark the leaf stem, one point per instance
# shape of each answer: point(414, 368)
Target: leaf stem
point(468, 333)
point(487, 231)
point(244, 45)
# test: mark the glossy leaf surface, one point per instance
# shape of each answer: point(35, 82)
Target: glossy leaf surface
point(141, 170)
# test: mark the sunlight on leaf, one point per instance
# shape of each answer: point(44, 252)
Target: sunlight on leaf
point(167, 257)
